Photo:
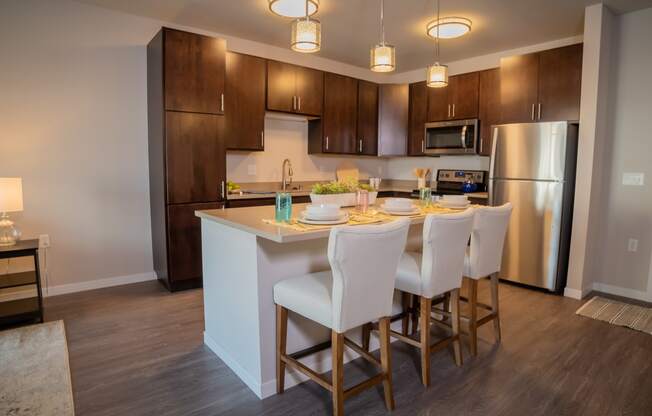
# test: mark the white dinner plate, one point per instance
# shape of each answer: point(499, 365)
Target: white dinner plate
point(322, 217)
point(413, 212)
point(341, 220)
point(398, 209)
point(454, 205)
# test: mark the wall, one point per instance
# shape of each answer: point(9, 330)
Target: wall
point(287, 137)
point(627, 210)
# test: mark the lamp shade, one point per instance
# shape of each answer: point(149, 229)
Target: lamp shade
point(306, 35)
point(382, 58)
point(437, 76)
point(448, 27)
point(293, 8)
point(11, 194)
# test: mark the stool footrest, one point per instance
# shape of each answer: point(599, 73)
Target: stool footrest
point(370, 382)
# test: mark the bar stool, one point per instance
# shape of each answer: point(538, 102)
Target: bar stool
point(435, 272)
point(483, 260)
point(358, 289)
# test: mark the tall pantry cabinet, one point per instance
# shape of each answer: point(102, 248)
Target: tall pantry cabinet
point(187, 159)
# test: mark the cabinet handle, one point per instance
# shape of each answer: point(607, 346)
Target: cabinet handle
point(294, 103)
point(326, 142)
point(453, 110)
point(262, 139)
point(449, 111)
point(299, 102)
point(539, 112)
point(423, 146)
point(360, 145)
point(223, 190)
point(481, 143)
point(222, 101)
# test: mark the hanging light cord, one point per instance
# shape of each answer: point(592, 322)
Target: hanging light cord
point(307, 15)
point(437, 40)
point(382, 22)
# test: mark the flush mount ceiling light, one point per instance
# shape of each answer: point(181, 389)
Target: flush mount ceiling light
point(448, 27)
point(437, 74)
point(383, 55)
point(306, 33)
point(293, 8)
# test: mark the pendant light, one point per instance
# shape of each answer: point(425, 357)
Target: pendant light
point(383, 55)
point(306, 33)
point(293, 8)
point(448, 27)
point(437, 74)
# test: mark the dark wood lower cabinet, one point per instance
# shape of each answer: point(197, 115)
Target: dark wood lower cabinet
point(184, 245)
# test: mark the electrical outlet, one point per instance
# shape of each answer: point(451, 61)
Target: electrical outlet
point(633, 179)
point(632, 245)
point(44, 241)
point(251, 169)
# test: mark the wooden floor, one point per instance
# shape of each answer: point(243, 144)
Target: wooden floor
point(137, 350)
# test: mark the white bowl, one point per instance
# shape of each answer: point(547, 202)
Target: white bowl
point(332, 210)
point(399, 204)
point(323, 217)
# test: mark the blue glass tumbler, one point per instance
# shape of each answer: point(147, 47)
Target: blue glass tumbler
point(283, 212)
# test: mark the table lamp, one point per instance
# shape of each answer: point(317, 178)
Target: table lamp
point(11, 200)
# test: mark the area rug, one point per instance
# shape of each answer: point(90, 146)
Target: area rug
point(34, 371)
point(618, 313)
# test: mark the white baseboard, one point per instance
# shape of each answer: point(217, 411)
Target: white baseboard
point(573, 293)
point(621, 291)
point(98, 284)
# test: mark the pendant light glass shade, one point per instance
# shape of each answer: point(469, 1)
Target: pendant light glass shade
point(448, 27)
point(383, 58)
point(293, 8)
point(437, 76)
point(306, 35)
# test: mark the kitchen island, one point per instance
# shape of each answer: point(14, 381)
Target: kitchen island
point(243, 257)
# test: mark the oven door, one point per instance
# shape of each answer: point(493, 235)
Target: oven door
point(451, 137)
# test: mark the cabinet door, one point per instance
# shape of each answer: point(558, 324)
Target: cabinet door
point(463, 95)
point(438, 104)
point(195, 157)
point(418, 114)
point(245, 102)
point(367, 118)
point(560, 80)
point(184, 240)
point(281, 86)
point(340, 114)
point(519, 87)
point(194, 72)
point(309, 91)
point(489, 107)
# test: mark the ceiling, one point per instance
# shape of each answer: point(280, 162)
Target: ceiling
point(351, 27)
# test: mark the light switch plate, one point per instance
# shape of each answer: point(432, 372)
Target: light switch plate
point(632, 245)
point(251, 169)
point(633, 179)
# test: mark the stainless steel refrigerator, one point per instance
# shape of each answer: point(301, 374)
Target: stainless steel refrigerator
point(533, 167)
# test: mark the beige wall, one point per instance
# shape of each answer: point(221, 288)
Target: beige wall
point(627, 209)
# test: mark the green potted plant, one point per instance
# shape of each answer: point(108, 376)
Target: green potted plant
point(340, 193)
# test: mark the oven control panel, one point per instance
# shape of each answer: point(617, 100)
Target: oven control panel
point(449, 175)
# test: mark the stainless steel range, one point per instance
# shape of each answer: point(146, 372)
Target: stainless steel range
point(451, 181)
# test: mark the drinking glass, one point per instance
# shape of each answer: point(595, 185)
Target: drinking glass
point(363, 201)
point(283, 212)
point(425, 195)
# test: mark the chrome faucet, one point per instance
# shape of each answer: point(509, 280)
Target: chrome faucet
point(284, 181)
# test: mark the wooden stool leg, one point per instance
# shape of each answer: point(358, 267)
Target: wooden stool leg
point(405, 321)
point(473, 321)
point(386, 362)
point(337, 349)
point(494, 305)
point(281, 342)
point(424, 327)
point(415, 317)
point(366, 336)
point(455, 318)
point(446, 305)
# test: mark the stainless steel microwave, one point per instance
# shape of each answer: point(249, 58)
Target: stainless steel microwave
point(458, 137)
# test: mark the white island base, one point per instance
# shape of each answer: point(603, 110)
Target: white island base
point(242, 260)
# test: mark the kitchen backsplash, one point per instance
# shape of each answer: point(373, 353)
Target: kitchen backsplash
point(287, 137)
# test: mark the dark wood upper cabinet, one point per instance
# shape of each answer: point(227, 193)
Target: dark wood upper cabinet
point(339, 114)
point(463, 96)
point(245, 102)
point(438, 105)
point(195, 157)
point(184, 241)
point(310, 91)
point(194, 72)
point(519, 87)
point(367, 118)
point(418, 115)
point(560, 81)
point(489, 107)
point(294, 89)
